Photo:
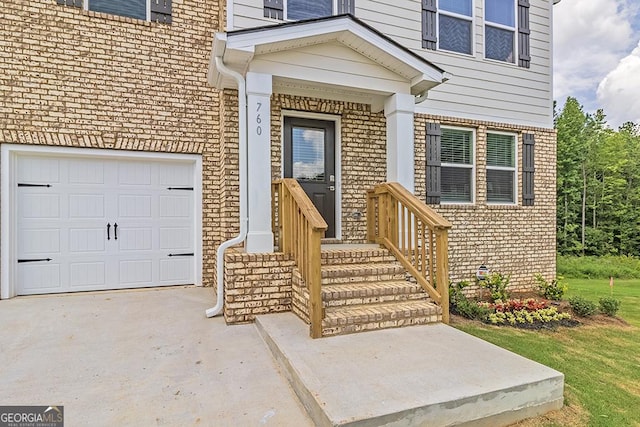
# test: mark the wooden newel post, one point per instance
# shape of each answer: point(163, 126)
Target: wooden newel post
point(315, 285)
point(442, 270)
point(371, 216)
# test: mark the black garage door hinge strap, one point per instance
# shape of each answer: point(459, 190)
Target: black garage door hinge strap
point(180, 188)
point(35, 260)
point(188, 254)
point(22, 184)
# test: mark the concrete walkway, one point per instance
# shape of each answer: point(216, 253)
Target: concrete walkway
point(140, 358)
point(430, 375)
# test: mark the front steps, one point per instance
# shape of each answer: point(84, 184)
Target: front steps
point(364, 288)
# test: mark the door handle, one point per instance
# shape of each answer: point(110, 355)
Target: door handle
point(115, 230)
point(331, 188)
point(108, 229)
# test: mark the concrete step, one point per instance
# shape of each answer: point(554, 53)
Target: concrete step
point(431, 375)
point(352, 273)
point(368, 317)
point(342, 294)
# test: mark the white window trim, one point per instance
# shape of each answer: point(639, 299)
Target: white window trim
point(472, 166)
point(8, 197)
point(513, 169)
point(513, 29)
point(334, 9)
point(85, 6)
point(471, 19)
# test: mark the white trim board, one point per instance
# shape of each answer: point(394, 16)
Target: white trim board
point(8, 217)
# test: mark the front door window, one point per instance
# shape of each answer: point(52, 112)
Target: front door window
point(308, 153)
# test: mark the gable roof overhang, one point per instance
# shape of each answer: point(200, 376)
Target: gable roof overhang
point(240, 49)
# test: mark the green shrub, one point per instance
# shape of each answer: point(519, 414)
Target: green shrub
point(609, 306)
point(461, 305)
point(553, 290)
point(520, 317)
point(497, 284)
point(582, 307)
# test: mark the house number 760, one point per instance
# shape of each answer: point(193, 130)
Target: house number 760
point(258, 119)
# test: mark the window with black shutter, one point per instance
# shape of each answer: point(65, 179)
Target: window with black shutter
point(528, 169)
point(448, 25)
point(434, 136)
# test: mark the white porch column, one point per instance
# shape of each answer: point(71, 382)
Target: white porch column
point(399, 109)
point(260, 235)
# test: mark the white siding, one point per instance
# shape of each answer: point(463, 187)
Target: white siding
point(478, 89)
point(332, 64)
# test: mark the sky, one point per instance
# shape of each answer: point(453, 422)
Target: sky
point(597, 56)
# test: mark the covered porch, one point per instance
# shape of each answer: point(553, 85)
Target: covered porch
point(321, 170)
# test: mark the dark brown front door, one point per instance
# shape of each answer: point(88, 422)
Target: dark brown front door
point(309, 157)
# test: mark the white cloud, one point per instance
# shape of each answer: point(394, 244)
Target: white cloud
point(619, 91)
point(590, 38)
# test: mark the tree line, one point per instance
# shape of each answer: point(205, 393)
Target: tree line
point(598, 189)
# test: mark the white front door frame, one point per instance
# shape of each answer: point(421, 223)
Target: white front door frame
point(8, 215)
point(338, 157)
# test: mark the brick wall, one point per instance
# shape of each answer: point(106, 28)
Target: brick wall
point(517, 240)
point(85, 79)
point(362, 136)
point(256, 284)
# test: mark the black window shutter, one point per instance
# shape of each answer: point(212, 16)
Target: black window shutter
point(528, 168)
point(524, 57)
point(274, 9)
point(433, 163)
point(346, 6)
point(161, 11)
point(429, 15)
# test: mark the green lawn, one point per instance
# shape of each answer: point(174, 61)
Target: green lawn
point(601, 362)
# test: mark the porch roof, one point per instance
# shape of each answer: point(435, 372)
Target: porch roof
point(337, 57)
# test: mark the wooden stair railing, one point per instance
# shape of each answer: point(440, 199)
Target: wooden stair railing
point(415, 234)
point(300, 230)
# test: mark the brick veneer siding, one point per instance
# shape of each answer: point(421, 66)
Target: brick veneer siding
point(517, 240)
point(256, 284)
point(84, 79)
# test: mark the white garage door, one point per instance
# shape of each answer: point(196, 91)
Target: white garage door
point(93, 224)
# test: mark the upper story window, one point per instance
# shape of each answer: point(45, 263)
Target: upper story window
point(306, 9)
point(150, 10)
point(457, 165)
point(501, 168)
point(500, 30)
point(455, 23)
point(448, 25)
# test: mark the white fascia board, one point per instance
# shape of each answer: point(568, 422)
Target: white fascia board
point(397, 53)
point(335, 29)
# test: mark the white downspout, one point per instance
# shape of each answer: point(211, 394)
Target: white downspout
point(242, 171)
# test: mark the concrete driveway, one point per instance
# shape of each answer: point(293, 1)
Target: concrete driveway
point(140, 358)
